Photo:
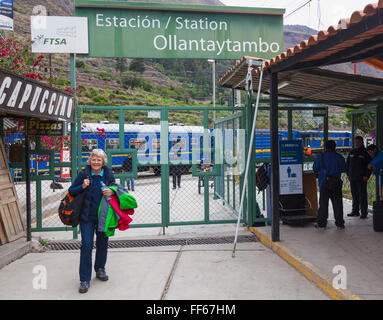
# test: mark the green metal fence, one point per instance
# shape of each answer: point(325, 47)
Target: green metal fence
point(366, 122)
point(229, 182)
point(160, 203)
point(48, 186)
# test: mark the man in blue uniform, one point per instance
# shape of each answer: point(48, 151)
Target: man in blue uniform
point(329, 166)
point(377, 159)
point(376, 165)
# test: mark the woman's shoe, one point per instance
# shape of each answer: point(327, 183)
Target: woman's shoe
point(100, 274)
point(84, 286)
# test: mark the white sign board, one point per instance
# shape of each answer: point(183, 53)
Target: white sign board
point(290, 167)
point(154, 114)
point(53, 34)
point(290, 179)
point(6, 14)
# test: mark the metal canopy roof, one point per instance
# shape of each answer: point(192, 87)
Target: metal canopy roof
point(311, 84)
point(358, 38)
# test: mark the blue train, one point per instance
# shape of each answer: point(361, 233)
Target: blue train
point(146, 139)
point(312, 140)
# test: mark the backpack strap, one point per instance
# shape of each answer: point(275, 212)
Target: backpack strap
point(323, 164)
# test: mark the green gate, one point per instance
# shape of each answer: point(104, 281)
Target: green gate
point(165, 151)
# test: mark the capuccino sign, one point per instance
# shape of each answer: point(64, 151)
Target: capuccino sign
point(26, 97)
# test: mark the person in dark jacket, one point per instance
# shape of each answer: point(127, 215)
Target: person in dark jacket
point(176, 172)
point(358, 174)
point(329, 166)
point(89, 181)
point(127, 166)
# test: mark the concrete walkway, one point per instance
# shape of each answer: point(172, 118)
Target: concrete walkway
point(163, 273)
point(352, 258)
point(345, 264)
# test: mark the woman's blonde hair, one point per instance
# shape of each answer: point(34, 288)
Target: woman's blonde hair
point(98, 153)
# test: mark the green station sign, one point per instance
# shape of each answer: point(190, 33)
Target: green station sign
point(153, 30)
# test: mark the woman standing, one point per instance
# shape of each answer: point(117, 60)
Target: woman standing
point(89, 181)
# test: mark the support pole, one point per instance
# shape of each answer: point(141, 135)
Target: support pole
point(74, 131)
point(325, 128)
point(353, 129)
point(378, 143)
point(249, 88)
point(214, 89)
point(165, 165)
point(274, 157)
point(28, 182)
point(290, 124)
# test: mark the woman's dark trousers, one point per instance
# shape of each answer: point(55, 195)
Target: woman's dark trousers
point(87, 237)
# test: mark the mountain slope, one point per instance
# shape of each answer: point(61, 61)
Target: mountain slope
point(162, 82)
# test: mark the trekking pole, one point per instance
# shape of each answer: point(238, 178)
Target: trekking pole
point(250, 151)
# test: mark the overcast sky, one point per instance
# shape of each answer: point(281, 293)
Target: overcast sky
point(331, 11)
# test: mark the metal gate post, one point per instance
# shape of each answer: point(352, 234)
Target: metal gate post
point(164, 150)
point(227, 176)
point(121, 134)
point(39, 213)
point(290, 124)
point(206, 147)
point(352, 130)
point(325, 127)
point(242, 177)
point(79, 139)
point(251, 192)
point(28, 182)
point(274, 156)
point(233, 176)
point(379, 142)
point(73, 136)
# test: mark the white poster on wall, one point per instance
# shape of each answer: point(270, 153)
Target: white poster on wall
point(54, 34)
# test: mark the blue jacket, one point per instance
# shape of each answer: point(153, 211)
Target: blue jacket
point(335, 165)
point(93, 193)
point(378, 162)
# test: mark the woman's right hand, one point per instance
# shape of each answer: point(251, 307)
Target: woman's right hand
point(85, 183)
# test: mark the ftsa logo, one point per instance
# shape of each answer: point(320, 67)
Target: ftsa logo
point(55, 41)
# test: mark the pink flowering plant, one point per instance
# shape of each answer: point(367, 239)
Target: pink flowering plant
point(16, 57)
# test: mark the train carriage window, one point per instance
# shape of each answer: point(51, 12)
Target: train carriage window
point(112, 144)
point(179, 144)
point(89, 144)
point(139, 144)
point(156, 144)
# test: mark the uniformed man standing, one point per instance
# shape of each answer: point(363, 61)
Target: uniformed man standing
point(329, 166)
point(358, 174)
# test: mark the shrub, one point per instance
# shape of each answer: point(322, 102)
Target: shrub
point(80, 64)
point(137, 65)
point(148, 87)
point(131, 79)
point(105, 75)
point(99, 99)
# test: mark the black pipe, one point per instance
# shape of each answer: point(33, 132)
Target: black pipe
point(274, 157)
point(27, 182)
